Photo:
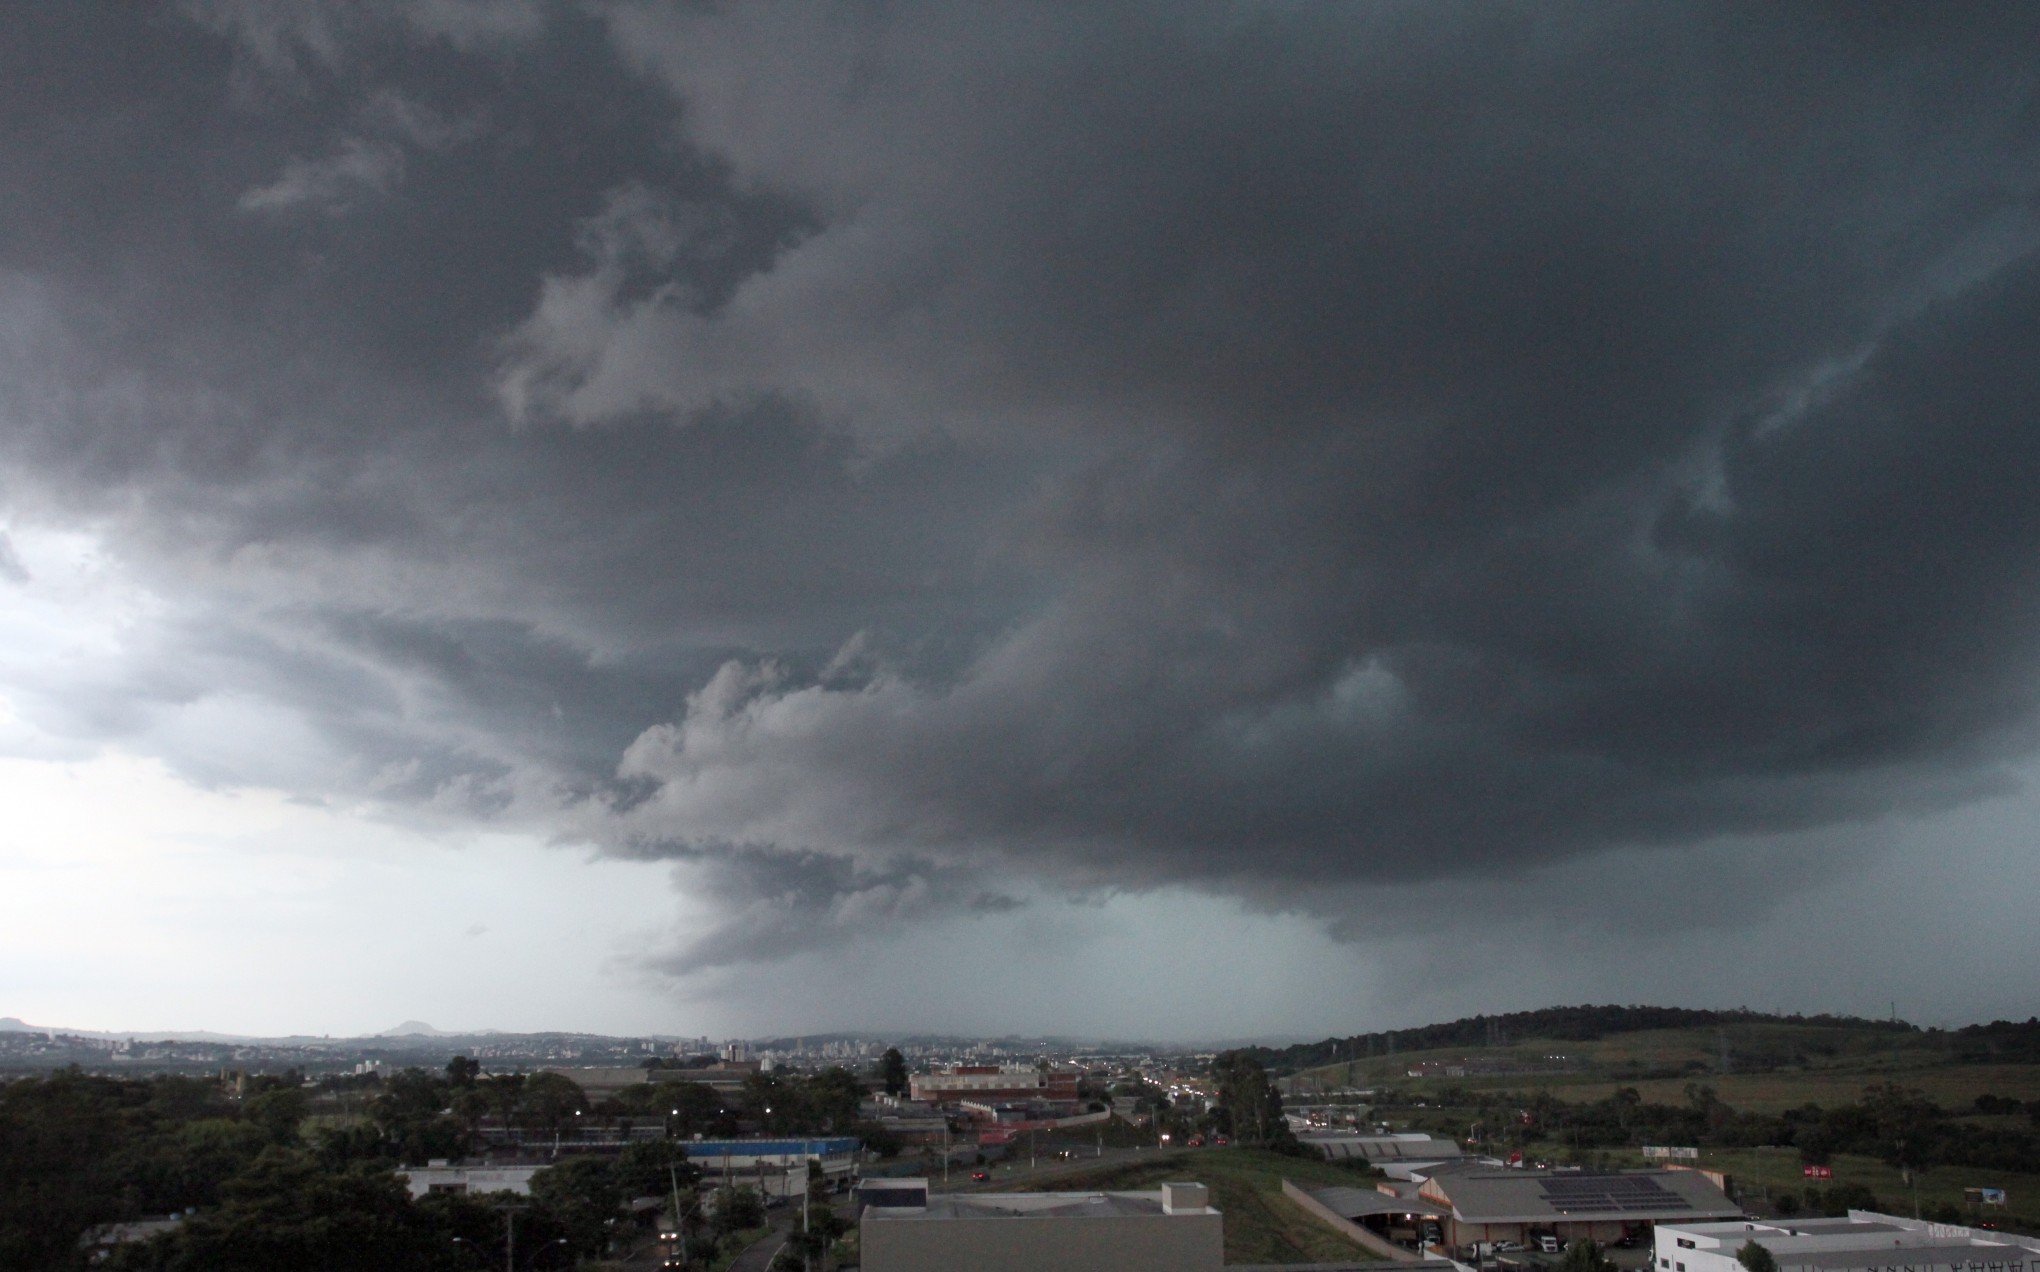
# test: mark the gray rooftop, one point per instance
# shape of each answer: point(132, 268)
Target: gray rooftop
point(1915, 1257)
point(1379, 1265)
point(1525, 1196)
point(1069, 1205)
point(1352, 1203)
point(1376, 1148)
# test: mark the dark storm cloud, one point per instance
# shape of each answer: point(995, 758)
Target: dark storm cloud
point(1261, 447)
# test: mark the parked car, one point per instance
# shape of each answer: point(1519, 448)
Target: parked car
point(981, 1175)
point(1508, 1247)
point(1548, 1244)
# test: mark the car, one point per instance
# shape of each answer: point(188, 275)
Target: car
point(1548, 1244)
point(981, 1175)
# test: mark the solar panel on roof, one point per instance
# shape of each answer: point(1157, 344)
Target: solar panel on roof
point(1622, 1193)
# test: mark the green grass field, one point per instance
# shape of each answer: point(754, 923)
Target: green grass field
point(1821, 1064)
point(1261, 1225)
point(1950, 1086)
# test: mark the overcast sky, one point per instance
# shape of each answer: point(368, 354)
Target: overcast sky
point(1171, 520)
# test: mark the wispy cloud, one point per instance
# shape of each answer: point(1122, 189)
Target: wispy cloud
point(356, 171)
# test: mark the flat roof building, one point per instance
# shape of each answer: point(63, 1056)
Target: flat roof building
point(1865, 1241)
point(991, 1084)
point(1174, 1229)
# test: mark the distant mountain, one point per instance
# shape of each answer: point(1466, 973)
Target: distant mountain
point(14, 1024)
point(418, 1029)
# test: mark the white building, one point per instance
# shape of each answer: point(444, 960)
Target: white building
point(1864, 1242)
point(904, 1229)
point(440, 1177)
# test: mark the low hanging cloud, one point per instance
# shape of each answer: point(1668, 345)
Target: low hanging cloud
point(900, 462)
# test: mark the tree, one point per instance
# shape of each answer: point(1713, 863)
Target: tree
point(585, 1197)
point(1250, 1108)
point(809, 1247)
point(1756, 1258)
point(772, 1102)
point(653, 1168)
point(278, 1112)
point(409, 1113)
point(462, 1071)
point(879, 1139)
point(1585, 1256)
point(1907, 1126)
point(833, 1096)
point(550, 1100)
point(289, 1210)
point(737, 1209)
point(695, 1109)
point(892, 1070)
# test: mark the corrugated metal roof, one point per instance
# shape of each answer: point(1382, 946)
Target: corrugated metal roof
point(1523, 1196)
point(1352, 1203)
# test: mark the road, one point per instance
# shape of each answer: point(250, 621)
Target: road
point(759, 1257)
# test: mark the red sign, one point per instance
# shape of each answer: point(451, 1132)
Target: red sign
point(1515, 1159)
point(1817, 1172)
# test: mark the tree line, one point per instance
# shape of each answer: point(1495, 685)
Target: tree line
point(267, 1180)
point(1892, 1122)
point(1584, 1023)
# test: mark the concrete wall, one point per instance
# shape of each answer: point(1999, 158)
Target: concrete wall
point(1023, 1243)
point(1346, 1227)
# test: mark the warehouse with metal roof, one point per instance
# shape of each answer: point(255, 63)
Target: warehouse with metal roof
point(1607, 1207)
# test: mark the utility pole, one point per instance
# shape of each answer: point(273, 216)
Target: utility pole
point(510, 1235)
point(679, 1219)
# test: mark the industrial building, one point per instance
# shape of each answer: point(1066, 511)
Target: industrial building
point(904, 1229)
point(988, 1084)
point(1399, 1156)
point(724, 1076)
point(776, 1167)
point(1863, 1242)
point(1502, 1204)
point(1394, 1221)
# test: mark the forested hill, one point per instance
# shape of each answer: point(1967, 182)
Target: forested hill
point(1584, 1023)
